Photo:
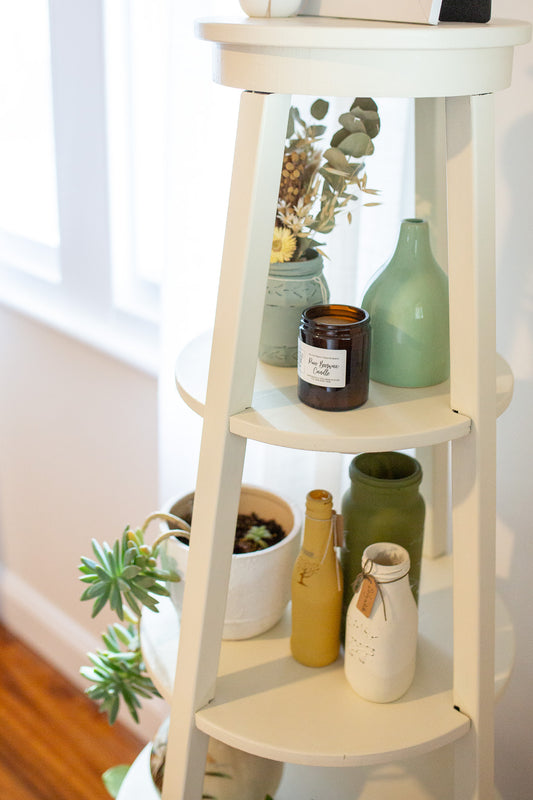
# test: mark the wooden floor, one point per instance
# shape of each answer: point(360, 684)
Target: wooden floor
point(54, 744)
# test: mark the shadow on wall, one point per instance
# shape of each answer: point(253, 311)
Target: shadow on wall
point(514, 770)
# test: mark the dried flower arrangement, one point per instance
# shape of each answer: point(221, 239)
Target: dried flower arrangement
point(317, 186)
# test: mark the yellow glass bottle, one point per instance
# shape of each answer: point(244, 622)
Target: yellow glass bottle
point(317, 587)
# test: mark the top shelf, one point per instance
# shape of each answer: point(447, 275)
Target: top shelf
point(321, 55)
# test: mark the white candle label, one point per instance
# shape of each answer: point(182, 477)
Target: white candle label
point(321, 367)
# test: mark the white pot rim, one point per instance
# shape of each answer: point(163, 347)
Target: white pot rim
point(295, 530)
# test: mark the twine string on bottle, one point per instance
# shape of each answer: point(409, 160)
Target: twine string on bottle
point(366, 574)
point(326, 548)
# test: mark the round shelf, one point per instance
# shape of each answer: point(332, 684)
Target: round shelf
point(371, 783)
point(310, 55)
point(392, 419)
point(268, 704)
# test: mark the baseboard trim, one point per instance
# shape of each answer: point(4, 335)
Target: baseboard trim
point(61, 641)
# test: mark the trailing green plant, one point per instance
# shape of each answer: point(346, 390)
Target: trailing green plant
point(118, 672)
point(125, 576)
point(316, 186)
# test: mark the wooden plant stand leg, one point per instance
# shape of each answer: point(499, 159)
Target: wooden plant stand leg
point(430, 196)
point(470, 142)
point(253, 196)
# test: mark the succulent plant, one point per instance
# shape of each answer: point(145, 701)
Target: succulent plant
point(127, 577)
point(118, 672)
point(259, 534)
point(126, 573)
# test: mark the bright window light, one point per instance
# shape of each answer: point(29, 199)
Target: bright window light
point(136, 33)
point(28, 196)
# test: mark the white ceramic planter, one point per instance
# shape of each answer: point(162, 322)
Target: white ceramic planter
point(260, 582)
point(230, 774)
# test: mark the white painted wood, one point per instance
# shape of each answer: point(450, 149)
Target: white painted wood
point(258, 156)
point(330, 33)
point(312, 716)
point(310, 55)
point(393, 418)
point(470, 131)
point(422, 11)
point(430, 194)
point(430, 172)
point(435, 489)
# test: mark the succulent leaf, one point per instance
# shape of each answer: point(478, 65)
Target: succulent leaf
point(101, 552)
point(118, 673)
point(99, 604)
point(92, 591)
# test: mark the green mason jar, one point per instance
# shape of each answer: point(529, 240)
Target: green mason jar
point(383, 504)
point(292, 287)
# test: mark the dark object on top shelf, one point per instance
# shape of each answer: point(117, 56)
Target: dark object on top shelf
point(465, 11)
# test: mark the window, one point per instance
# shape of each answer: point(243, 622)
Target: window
point(55, 242)
point(137, 72)
point(29, 227)
point(106, 134)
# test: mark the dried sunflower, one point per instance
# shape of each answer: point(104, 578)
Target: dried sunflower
point(283, 245)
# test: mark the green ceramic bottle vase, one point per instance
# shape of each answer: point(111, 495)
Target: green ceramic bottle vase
point(383, 504)
point(408, 307)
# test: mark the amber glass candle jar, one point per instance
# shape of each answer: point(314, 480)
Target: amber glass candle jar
point(333, 357)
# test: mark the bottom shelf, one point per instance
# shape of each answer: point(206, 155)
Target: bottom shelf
point(269, 705)
point(428, 777)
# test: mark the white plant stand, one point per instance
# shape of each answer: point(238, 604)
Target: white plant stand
point(452, 70)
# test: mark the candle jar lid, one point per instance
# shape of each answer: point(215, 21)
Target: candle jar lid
point(333, 357)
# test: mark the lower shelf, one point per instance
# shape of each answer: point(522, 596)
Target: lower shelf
point(268, 704)
point(426, 778)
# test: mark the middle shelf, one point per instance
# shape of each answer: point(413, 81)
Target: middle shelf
point(392, 419)
point(268, 704)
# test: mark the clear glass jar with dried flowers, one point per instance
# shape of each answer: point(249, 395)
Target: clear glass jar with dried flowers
point(316, 186)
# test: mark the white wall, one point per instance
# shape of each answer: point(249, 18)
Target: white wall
point(514, 148)
point(78, 441)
